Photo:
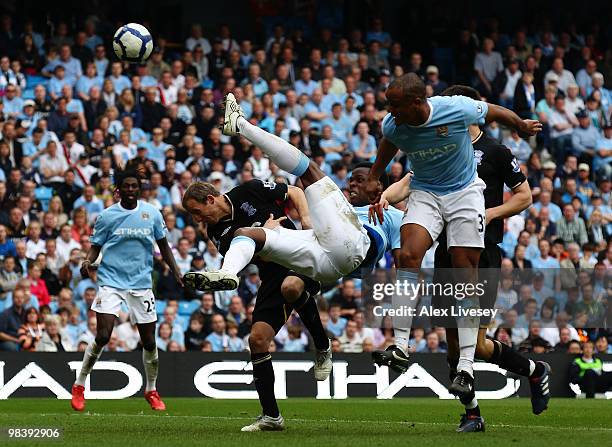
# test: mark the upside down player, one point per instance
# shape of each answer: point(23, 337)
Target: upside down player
point(433, 132)
point(496, 167)
point(127, 231)
point(253, 204)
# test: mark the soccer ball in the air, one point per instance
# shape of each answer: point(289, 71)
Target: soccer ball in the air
point(133, 43)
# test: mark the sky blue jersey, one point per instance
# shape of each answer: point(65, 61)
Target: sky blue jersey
point(440, 150)
point(385, 235)
point(127, 238)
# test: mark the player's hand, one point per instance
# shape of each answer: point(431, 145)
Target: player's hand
point(273, 223)
point(376, 211)
point(489, 215)
point(372, 190)
point(85, 269)
point(530, 128)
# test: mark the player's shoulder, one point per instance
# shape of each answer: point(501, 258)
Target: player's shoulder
point(148, 209)
point(388, 125)
point(394, 216)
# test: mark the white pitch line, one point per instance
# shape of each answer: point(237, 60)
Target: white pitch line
point(342, 421)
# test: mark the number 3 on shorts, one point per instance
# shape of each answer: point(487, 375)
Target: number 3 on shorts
point(480, 223)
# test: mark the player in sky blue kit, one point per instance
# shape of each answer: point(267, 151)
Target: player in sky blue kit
point(340, 243)
point(126, 233)
point(433, 133)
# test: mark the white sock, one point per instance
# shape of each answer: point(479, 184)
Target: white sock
point(284, 155)
point(473, 404)
point(92, 354)
point(239, 254)
point(467, 349)
point(402, 325)
point(151, 366)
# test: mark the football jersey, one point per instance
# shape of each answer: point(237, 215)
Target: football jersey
point(127, 238)
point(440, 150)
point(385, 236)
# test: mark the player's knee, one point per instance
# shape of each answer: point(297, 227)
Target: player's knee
point(410, 259)
point(259, 342)
point(292, 288)
point(482, 351)
point(148, 344)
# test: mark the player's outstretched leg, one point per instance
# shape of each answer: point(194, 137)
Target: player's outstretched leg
point(105, 325)
point(150, 361)
point(263, 375)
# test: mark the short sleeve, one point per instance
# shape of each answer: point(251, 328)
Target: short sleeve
point(394, 230)
point(474, 112)
point(388, 127)
point(267, 191)
point(160, 230)
point(100, 231)
point(510, 167)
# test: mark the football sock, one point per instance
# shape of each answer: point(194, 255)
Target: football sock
point(263, 376)
point(505, 357)
point(92, 354)
point(472, 409)
point(150, 361)
point(281, 153)
point(239, 254)
point(309, 314)
point(402, 324)
point(467, 349)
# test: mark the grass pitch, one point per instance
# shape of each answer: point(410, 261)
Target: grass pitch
point(352, 422)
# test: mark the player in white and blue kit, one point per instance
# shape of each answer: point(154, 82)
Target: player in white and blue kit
point(433, 133)
point(126, 234)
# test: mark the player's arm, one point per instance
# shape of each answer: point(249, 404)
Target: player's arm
point(521, 200)
point(301, 205)
point(168, 257)
point(395, 193)
point(90, 258)
point(525, 128)
point(386, 152)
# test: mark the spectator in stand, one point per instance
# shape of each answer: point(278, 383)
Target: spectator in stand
point(587, 371)
point(487, 64)
point(562, 123)
point(11, 320)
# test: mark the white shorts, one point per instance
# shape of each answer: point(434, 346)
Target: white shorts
point(463, 212)
point(337, 244)
point(141, 303)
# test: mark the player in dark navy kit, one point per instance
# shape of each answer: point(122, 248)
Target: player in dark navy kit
point(257, 204)
point(496, 167)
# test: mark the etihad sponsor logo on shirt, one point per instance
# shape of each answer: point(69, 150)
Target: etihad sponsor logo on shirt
point(431, 153)
point(133, 232)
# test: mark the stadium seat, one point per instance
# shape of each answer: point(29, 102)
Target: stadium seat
point(43, 194)
point(188, 307)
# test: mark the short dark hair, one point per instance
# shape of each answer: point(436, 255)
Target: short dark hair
point(410, 84)
point(384, 178)
point(462, 90)
point(128, 174)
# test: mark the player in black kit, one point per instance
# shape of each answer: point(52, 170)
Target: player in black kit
point(496, 167)
point(254, 204)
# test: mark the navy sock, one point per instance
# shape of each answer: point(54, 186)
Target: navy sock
point(263, 375)
point(306, 308)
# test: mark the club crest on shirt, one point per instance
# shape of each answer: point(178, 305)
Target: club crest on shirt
point(248, 208)
point(145, 216)
point(442, 131)
point(478, 156)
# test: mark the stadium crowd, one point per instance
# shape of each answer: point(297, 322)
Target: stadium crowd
point(72, 116)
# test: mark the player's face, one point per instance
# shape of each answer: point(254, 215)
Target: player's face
point(207, 212)
point(357, 184)
point(404, 109)
point(129, 190)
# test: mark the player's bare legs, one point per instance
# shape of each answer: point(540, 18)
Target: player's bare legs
point(105, 326)
point(260, 338)
point(150, 361)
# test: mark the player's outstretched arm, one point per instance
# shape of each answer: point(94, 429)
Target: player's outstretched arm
point(90, 258)
point(168, 257)
point(521, 200)
point(395, 193)
point(386, 152)
point(301, 205)
point(525, 128)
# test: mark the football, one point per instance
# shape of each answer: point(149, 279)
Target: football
point(133, 43)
